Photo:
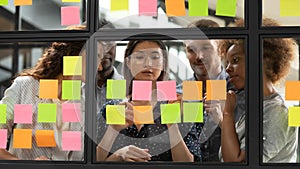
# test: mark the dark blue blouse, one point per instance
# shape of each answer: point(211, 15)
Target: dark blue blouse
point(154, 137)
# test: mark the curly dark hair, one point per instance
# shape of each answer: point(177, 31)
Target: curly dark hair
point(203, 23)
point(277, 52)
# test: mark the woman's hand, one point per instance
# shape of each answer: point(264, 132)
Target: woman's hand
point(41, 158)
point(215, 110)
point(128, 117)
point(230, 103)
point(132, 153)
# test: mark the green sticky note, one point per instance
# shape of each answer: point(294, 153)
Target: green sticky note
point(198, 7)
point(72, 66)
point(193, 112)
point(2, 113)
point(118, 5)
point(115, 114)
point(226, 8)
point(71, 89)
point(294, 116)
point(116, 89)
point(46, 113)
point(289, 7)
point(3, 2)
point(170, 113)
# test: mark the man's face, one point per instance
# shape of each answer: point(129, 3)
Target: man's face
point(106, 57)
point(203, 57)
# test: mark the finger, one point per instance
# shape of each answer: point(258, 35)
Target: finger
point(143, 153)
point(129, 105)
point(140, 160)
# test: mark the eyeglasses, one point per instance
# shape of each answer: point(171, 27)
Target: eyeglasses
point(154, 57)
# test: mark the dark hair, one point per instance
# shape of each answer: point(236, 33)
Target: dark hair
point(50, 65)
point(130, 47)
point(103, 23)
point(203, 23)
point(277, 52)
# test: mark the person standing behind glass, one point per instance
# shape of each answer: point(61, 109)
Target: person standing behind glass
point(206, 65)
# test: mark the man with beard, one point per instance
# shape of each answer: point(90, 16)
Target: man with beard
point(106, 69)
point(206, 64)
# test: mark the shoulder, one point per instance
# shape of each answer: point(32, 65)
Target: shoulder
point(25, 79)
point(275, 104)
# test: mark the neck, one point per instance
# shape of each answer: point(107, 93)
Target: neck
point(269, 88)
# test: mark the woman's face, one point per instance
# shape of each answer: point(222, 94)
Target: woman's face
point(146, 61)
point(235, 58)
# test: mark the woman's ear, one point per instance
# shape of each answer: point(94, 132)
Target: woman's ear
point(127, 62)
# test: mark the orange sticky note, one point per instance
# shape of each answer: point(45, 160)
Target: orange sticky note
point(48, 89)
point(143, 115)
point(22, 138)
point(294, 116)
point(192, 90)
point(292, 90)
point(22, 2)
point(216, 89)
point(175, 7)
point(45, 138)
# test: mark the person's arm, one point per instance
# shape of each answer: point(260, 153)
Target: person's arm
point(5, 155)
point(231, 151)
point(179, 150)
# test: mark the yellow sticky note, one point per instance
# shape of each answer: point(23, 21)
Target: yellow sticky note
point(72, 66)
point(45, 138)
point(115, 114)
point(22, 2)
point(175, 7)
point(294, 116)
point(71, 0)
point(192, 90)
point(22, 138)
point(48, 89)
point(216, 89)
point(289, 7)
point(143, 115)
point(119, 5)
point(292, 90)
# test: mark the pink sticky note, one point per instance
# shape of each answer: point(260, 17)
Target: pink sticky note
point(3, 138)
point(166, 90)
point(141, 90)
point(148, 7)
point(70, 15)
point(71, 112)
point(71, 141)
point(23, 113)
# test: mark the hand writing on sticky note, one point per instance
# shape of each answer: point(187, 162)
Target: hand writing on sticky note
point(128, 117)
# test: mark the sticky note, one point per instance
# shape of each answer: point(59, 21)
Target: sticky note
point(116, 89)
point(170, 113)
point(47, 112)
point(118, 5)
point(70, 15)
point(198, 7)
point(226, 8)
point(72, 66)
point(193, 112)
point(143, 115)
point(289, 8)
point(48, 89)
point(22, 138)
point(192, 90)
point(166, 90)
point(141, 90)
point(115, 114)
point(216, 89)
point(71, 0)
point(292, 90)
point(148, 7)
point(3, 138)
point(71, 89)
point(3, 113)
point(175, 7)
point(23, 113)
point(71, 141)
point(22, 2)
point(45, 138)
point(71, 112)
point(294, 116)
point(3, 2)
